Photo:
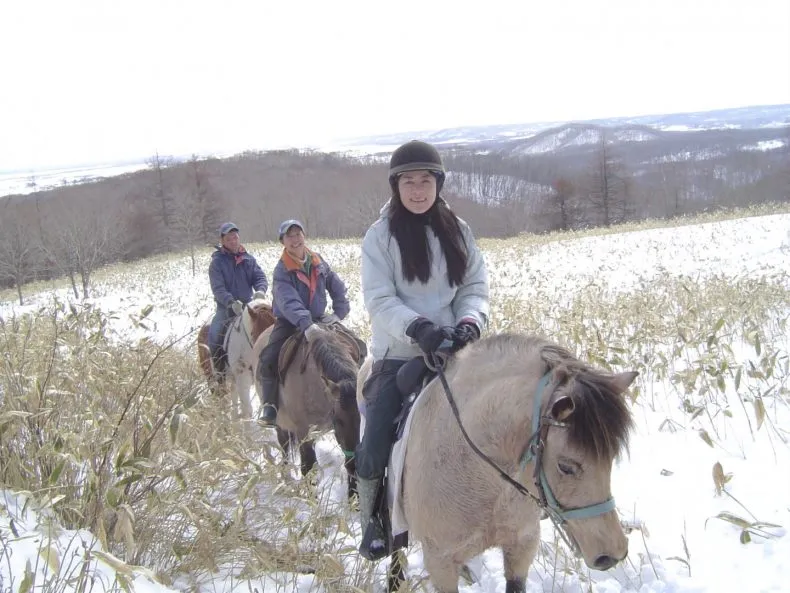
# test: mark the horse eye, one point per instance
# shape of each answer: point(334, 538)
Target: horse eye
point(566, 469)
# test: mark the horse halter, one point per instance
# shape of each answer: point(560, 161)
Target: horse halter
point(558, 514)
point(545, 500)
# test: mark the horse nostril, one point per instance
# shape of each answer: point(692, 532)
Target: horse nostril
point(604, 562)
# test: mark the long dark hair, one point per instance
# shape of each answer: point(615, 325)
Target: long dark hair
point(410, 232)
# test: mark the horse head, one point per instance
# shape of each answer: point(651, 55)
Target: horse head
point(257, 318)
point(582, 429)
point(334, 353)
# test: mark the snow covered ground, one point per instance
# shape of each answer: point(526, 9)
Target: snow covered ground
point(690, 537)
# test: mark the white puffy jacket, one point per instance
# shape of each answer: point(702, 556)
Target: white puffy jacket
point(393, 303)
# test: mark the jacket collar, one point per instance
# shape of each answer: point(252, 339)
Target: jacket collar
point(292, 265)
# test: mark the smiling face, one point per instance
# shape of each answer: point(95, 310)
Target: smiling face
point(417, 191)
point(293, 240)
point(231, 241)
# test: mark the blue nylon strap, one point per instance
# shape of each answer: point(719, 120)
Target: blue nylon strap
point(554, 507)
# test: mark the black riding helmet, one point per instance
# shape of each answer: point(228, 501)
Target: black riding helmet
point(416, 156)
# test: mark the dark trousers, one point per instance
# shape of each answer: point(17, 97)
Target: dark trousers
point(383, 403)
point(267, 362)
point(218, 327)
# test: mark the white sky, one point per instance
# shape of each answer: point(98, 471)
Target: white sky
point(92, 81)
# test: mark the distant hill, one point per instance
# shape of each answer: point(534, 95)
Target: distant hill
point(739, 118)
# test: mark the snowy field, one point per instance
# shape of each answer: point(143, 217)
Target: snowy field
point(701, 311)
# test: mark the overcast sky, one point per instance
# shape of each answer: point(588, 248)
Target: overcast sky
point(96, 81)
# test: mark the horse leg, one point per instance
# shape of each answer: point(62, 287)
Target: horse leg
point(396, 575)
point(234, 404)
point(243, 384)
point(307, 453)
point(284, 439)
point(517, 560)
point(442, 570)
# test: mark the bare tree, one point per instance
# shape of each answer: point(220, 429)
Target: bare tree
point(197, 210)
point(17, 254)
point(162, 197)
point(205, 199)
point(83, 237)
point(561, 210)
point(188, 224)
point(608, 189)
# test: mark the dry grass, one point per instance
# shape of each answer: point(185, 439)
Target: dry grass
point(118, 435)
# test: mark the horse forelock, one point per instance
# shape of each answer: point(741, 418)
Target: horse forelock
point(601, 420)
point(260, 318)
point(348, 395)
point(333, 358)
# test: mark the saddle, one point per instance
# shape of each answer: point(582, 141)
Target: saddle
point(358, 348)
point(411, 378)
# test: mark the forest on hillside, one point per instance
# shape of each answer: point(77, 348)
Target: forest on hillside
point(588, 176)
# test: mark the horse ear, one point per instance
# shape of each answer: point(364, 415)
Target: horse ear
point(562, 408)
point(622, 381)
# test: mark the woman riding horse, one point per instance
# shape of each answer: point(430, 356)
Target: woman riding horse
point(300, 284)
point(427, 287)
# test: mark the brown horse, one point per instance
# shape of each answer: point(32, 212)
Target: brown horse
point(242, 332)
point(522, 407)
point(318, 383)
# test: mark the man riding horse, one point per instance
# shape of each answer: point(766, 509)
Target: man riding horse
point(236, 278)
point(300, 284)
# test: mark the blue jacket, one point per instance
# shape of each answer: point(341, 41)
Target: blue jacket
point(235, 277)
point(300, 299)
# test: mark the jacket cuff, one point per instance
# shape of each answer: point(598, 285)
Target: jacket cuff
point(469, 320)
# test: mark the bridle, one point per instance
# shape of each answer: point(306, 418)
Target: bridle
point(541, 423)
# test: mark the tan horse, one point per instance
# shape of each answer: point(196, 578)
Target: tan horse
point(318, 382)
point(546, 427)
point(242, 332)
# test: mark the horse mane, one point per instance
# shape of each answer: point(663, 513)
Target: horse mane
point(332, 357)
point(336, 364)
point(601, 420)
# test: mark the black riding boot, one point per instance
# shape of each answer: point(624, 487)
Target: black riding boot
point(374, 539)
point(271, 388)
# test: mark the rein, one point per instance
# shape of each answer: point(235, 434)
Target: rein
point(545, 500)
point(239, 327)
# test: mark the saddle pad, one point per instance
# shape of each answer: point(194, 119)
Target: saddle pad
point(287, 353)
point(395, 472)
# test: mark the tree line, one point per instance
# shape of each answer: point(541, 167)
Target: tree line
point(501, 189)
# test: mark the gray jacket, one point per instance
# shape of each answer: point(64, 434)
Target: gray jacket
point(393, 302)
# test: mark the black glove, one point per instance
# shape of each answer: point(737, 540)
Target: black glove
point(428, 335)
point(465, 333)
